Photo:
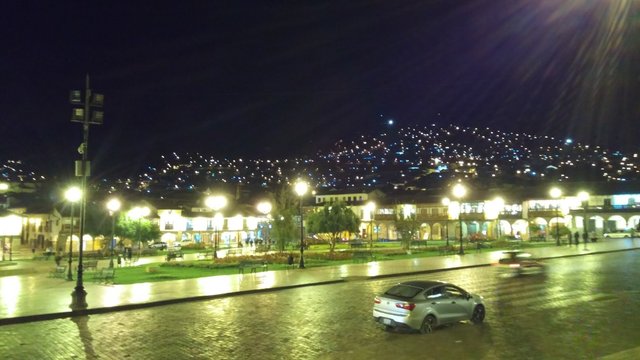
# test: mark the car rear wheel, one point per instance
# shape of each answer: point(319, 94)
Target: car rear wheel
point(478, 314)
point(428, 324)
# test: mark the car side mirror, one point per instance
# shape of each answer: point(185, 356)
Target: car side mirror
point(468, 296)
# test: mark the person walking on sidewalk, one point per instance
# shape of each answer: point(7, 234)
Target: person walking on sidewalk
point(576, 237)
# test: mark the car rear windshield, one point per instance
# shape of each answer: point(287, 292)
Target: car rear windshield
point(403, 291)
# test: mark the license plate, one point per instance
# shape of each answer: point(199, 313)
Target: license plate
point(386, 321)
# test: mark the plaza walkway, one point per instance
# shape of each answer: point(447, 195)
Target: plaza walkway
point(28, 294)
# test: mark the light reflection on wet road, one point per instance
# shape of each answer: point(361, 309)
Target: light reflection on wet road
point(581, 308)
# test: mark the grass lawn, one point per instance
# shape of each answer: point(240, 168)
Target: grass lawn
point(315, 257)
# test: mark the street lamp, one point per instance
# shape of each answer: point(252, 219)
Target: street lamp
point(371, 208)
point(446, 202)
point(264, 207)
point(499, 206)
point(137, 213)
point(555, 193)
point(301, 188)
point(73, 194)
point(215, 202)
point(584, 197)
point(86, 111)
point(113, 205)
point(459, 191)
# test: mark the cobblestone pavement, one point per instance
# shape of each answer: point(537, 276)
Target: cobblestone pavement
point(29, 297)
point(582, 308)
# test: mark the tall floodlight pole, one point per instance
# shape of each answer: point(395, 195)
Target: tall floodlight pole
point(555, 193)
point(86, 113)
point(459, 191)
point(113, 205)
point(301, 188)
point(73, 194)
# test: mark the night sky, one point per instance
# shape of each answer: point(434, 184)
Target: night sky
point(267, 79)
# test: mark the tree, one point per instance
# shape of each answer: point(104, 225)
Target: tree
point(283, 229)
point(408, 227)
point(137, 231)
point(333, 219)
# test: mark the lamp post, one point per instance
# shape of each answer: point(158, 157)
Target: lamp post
point(113, 205)
point(446, 202)
point(301, 188)
point(264, 207)
point(86, 111)
point(459, 191)
point(499, 204)
point(555, 193)
point(73, 194)
point(584, 197)
point(371, 207)
point(137, 213)
point(215, 202)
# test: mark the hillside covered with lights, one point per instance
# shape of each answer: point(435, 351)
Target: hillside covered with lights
point(409, 158)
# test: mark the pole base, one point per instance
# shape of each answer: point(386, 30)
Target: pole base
point(78, 299)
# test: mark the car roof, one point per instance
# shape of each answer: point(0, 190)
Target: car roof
point(424, 284)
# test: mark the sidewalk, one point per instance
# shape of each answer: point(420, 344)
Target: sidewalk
point(34, 296)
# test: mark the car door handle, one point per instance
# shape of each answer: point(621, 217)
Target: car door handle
point(453, 302)
point(433, 303)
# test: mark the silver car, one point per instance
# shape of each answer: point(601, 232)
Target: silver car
point(423, 305)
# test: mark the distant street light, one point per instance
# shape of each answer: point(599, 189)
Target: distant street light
point(301, 189)
point(459, 191)
point(215, 202)
point(113, 205)
point(264, 207)
point(137, 213)
point(446, 202)
point(371, 208)
point(555, 193)
point(498, 202)
point(73, 194)
point(584, 198)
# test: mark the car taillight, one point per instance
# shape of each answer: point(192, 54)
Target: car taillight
point(406, 306)
point(377, 300)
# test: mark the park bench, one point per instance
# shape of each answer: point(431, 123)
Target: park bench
point(233, 252)
point(446, 250)
point(174, 255)
point(105, 275)
point(362, 256)
point(356, 244)
point(205, 255)
point(252, 265)
point(90, 265)
point(418, 244)
point(59, 272)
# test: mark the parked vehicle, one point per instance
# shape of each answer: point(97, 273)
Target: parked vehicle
point(617, 234)
point(424, 305)
point(158, 245)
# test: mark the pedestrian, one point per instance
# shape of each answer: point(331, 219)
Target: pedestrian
point(576, 237)
point(290, 260)
point(58, 259)
point(585, 237)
